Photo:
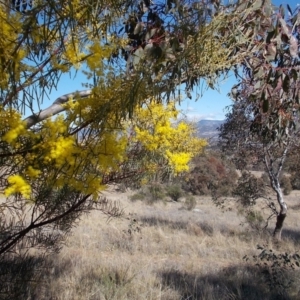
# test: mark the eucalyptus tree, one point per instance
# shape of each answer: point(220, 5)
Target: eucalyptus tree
point(264, 121)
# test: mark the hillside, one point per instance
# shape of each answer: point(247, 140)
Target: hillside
point(164, 252)
point(208, 129)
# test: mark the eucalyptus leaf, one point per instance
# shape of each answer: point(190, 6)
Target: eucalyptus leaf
point(289, 9)
point(286, 83)
point(137, 56)
point(284, 27)
point(270, 36)
point(257, 5)
point(293, 47)
point(294, 74)
point(282, 11)
point(265, 106)
point(138, 28)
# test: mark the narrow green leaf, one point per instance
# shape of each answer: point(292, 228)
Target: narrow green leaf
point(265, 105)
point(156, 52)
point(270, 35)
point(289, 9)
point(138, 55)
point(294, 74)
point(257, 5)
point(281, 10)
point(286, 83)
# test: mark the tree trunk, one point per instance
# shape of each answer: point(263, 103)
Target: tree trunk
point(279, 225)
point(281, 216)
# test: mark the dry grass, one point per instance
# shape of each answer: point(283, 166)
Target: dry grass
point(164, 252)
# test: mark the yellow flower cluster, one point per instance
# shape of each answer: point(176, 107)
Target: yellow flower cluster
point(98, 53)
point(93, 186)
point(57, 146)
point(33, 173)
point(61, 151)
point(12, 124)
point(11, 53)
point(72, 53)
point(17, 184)
point(179, 161)
point(157, 131)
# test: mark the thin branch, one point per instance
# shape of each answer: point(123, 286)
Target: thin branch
point(282, 159)
point(16, 237)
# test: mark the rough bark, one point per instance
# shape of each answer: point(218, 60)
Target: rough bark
point(279, 225)
point(274, 179)
point(281, 215)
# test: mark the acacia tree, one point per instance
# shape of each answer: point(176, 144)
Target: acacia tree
point(55, 161)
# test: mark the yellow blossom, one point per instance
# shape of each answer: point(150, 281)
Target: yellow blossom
point(156, 129)
point(18, 185)
point(33, 173)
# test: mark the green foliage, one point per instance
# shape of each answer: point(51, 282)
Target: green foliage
point(150, 193)
point(137, 196)
point(249, 188)
point(190, 202)
point(272, 91)
point(265, 178)
point(174, 192)
point(255, 220)
point(210, 173)
point(156, 192)
point(285, 183)
point(295, 180)
point(278, 269)
point(292, 166)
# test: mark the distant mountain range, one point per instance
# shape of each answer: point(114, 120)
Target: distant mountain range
point(208, 129)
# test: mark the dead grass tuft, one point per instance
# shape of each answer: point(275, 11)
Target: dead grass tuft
point(163, 252)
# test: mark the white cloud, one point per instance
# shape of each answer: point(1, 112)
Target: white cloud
point(195, 117)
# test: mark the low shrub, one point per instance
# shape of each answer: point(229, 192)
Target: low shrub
point(190, 203)
point(210, 173)
point(174, 192)
point(137, 196)
point(249, 188)
point(150, 193)
point(285, 182)
point(280, 270)
point(155, 191)
point(255, 220)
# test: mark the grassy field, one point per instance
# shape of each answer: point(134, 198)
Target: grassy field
point(164, 251)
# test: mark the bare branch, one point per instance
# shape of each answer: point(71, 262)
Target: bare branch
point(56, 108)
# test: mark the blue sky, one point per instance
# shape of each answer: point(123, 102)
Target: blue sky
point(211, 105)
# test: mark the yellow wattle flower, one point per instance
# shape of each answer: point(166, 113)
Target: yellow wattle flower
point(17, 184)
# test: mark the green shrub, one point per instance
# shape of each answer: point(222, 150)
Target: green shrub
point(295, 180)
point(156, 192)
point(265, 178)
point(255, 220)
point(249, 189)
point(137, 196)
point(174, 192)
point(210, 173)
point(278, 269)
point(285, 182)
point(190, 203)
